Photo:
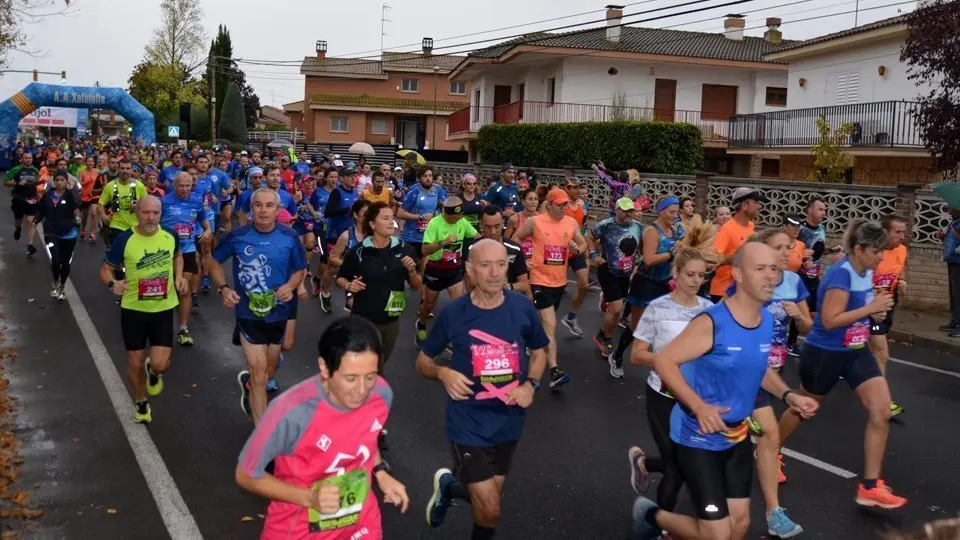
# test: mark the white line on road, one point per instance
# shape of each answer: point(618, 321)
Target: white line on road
point(822, 465)
point(176, 516)
point(928, 368)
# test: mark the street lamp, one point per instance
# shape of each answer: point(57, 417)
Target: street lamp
point(436, 70)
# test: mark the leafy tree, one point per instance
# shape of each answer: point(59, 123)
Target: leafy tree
point(224, 70)
point(932, 52)
point(200, 123)
point(831, 160)
point(178, 41)
point(233, 126)
point(161, 89)
point(14, 14)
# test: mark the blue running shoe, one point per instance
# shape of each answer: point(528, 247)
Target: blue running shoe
point(642, 529)
point(272, 385)
point(779, 525)
point(438, 504)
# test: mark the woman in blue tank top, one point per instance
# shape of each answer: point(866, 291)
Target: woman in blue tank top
point(715, 368)
point(837, 347)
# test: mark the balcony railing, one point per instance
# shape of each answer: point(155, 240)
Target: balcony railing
point(471, 119)
point(888, 124)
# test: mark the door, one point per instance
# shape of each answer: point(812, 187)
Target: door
point(664, 100)
point(407, 132)
point(501, 95)
point(718, 102)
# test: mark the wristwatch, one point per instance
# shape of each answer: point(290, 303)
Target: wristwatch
point(534, 383)
point(111, 284)
point(221, 288)
point(382, 466)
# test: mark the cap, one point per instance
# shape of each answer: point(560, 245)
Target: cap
point(558, 196)
point(573, 181)
point(793, 219)
point(747, 193)
point(349, 171)
point(398, 168)
point(507, 167)
point(283, 216)
point(243, 153)
point(625, 204)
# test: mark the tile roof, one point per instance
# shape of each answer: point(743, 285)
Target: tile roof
point(293, 106)
point(883, 23)
point(363, 100)
point(399, 61)
point(392, 61)
point(646, 41)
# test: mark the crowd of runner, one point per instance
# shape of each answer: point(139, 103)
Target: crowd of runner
point(710, 304)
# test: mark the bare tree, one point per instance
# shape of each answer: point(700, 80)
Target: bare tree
point(180, 40)
point(15, 14)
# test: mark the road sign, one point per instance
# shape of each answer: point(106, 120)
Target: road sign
point(173, 131)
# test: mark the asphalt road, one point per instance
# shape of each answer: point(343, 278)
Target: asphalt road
point(570, 475)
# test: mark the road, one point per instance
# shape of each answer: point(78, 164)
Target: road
point(570, 475)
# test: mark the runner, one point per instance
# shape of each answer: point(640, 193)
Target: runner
point(111, 174)
point(287, 175)
point(688, 217)
point(613, 247)
point(799, 256)
point(376, 273)
point(169, 173)
point(733, 234)
point(887, 279)
point(378, 192)
point(59, 211)
point(442, 248)
point(837, 347)
point(420, 205)
point(491, 226)
point(531, 204)
point(504, 192)
point(473, 202)
point(490, 381)
point(119, 202)
point(306, 216)
point(90, 191)
point(268, 268)
point(556, 237)
point(319, 202)
point(577, 209)
point(663, 319)
point(186, 217)
point(721, 215)
point(154, 272)
point(813, 234)
point(339, 218)
point(255, 182)
point(347, 241)
point(724, 353)
point(364, 178)
point(324, 489)
point(150, 184)
point(24, 198)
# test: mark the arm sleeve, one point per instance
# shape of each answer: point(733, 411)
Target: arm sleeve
point(106, 195)
point(468, 230)
point(348, 270)
point(292, 205)
point(837, 279)
point(332, 210)
point(176, 241)
point(520, 265)
point(298, 257)
point(430, 233)
point(439, 335)
point(647, 327)
point(409, 201)
point(225, 248)
point(41, 209)
point(115, 255)
point(722, 242)
point(277, 434)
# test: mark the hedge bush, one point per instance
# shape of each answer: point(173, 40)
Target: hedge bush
point(656, 147)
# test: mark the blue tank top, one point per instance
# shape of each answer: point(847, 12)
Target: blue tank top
point(661, 272)
point(351, 238)
point(859, 287)
point(729, 375)
point(336, 225)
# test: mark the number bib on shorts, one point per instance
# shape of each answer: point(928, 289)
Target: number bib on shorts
point(856, 336)
point(884, 282)
point(778, 356)
point(555, 255)
point(450, 257)
point(625, 264)
point(154, 288)
point(498, 369)
point(812, 272)
point(31, 201)
point(261, 304)
point(210, 199)
point(354, 488)
point(396, 303)
point(527, 247)
point(183, 230)
point(422, 225)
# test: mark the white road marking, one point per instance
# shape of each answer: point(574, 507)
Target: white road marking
point(176, 516)
point(928, 368)
point(822, 465)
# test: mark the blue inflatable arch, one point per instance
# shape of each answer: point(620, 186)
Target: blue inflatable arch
point(37, 95)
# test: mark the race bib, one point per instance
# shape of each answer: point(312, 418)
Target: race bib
point(884, 282)
point(813, 272)
point(625, 264)
point(261, 304)
point(308, 226)
point(527, 247)
point(422, 225)
point(210, 199)
point(856, 336)
point(555, 255)
point(354, 488)
point(497, 366)
point(154, 288)
point(31, 201)
point(396, 303)
point(183, 230)
point(450, 257)
point(778, 356)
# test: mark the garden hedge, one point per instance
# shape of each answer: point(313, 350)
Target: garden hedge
point(656, 147)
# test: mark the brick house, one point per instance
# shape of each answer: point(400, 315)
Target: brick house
point(402, 98)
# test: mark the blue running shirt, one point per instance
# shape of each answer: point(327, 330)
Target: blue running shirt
point(841, 275)
point(184, 218)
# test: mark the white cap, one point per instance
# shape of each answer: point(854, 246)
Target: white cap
point(398, 168)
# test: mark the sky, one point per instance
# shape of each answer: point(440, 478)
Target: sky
point(102, 40)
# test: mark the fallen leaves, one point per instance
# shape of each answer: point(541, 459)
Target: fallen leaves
point(112, 511)
point(246, 519)
point(14, 504)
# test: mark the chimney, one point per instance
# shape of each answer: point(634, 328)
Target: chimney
point(614, 18)
point(321, 50)
point(773, 34)
point(733, 27)
point(428, 45)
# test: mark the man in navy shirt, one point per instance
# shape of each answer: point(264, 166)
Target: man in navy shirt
point(490, 382)
point(504, 192)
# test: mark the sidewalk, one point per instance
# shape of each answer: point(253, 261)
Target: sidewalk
point(920, 328)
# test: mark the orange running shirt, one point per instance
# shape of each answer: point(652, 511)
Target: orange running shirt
point(551, 249)
point(888, 272)
point(728, 240)
point(796, 257)
point(578, 213)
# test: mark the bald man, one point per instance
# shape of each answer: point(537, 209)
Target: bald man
point(154, 277)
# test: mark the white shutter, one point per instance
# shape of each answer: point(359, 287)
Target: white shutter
point(853, 87)
point(841, 89)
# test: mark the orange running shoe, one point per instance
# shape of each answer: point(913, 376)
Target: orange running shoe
point(879, 497)
point(781, 478)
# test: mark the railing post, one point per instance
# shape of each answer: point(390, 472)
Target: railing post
point(907, 206)
point(701, 192)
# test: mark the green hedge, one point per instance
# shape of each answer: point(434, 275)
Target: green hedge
point(657, 147)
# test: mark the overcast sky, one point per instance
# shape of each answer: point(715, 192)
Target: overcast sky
point(102, 40)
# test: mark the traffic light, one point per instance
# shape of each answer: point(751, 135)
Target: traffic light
point(63, 77)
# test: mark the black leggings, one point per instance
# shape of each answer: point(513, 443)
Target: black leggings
point(61, 255)
point(659, 408)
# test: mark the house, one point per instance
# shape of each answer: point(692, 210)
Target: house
point(401, 98)
point(272, 118)
point(850, 77)
point(624, 72)
point(294, 112)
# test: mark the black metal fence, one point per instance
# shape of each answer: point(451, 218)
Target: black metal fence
point(386, 153)
point(879, 124)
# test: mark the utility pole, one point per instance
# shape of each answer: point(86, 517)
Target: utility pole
point(213, 97)
point(433, 142)
point(383, 21)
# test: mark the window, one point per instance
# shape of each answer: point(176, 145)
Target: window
point(458, 88)
point(410, 85)
point(848, 88)
point(378, 126)
point(338, 124)
point(776, 97)
point(552, 90)
point(476, 105)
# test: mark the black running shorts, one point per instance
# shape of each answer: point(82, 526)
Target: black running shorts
point(139, 327)
point(820, 369)
point(714, 476)
point(259, 332)
point(475, 464)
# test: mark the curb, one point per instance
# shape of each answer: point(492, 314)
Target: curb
point(920, 341)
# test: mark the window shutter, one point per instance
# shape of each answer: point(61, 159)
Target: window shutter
point(853, 87)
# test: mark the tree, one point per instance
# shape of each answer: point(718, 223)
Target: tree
point(220, 64)
point(161, 89)
point(233, 125)
point(15, 14)
point(932, 53)
point(178, 41)
point(831, 160)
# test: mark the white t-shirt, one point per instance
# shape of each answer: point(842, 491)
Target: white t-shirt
point(662, 321)
point(364, 182)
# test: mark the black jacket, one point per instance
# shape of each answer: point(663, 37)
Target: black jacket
point(58, 219)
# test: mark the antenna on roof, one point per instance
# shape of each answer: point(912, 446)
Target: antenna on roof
point(383, 21)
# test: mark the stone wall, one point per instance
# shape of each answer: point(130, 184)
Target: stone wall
point(926, 279)
point(867, 170)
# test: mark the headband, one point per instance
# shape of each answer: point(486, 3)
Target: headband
point(665, 203)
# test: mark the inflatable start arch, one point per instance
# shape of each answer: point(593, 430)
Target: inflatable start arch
point(37, 95)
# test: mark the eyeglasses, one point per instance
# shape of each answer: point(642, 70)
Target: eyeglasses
point(470, 183)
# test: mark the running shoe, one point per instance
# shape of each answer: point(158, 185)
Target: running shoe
point(325, 303)
point(572, 325)
point(17, 232)
point(154, 381)
point(793, 351)
point(141, 412)
point(605, 345)
point(955, 332)
point(642, 529)
point(83, 234)
point(615, 371)
point(272, 386)
point(781, 526)
point(881, 496)
point(61, 294)
point(895, 410)
point(439, 503)
point(31, 250)
point(558, 377)
point(243, 379)
point(54, 290)
point(639, 476)
point(625, 321)
point(947, 327)
point(194, 300)
point(93, 237)
point(781, 478)
point(184, 338)
point(420, 334)
point(205, 283)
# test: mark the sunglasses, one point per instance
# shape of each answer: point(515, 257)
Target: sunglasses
point(470, 183)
